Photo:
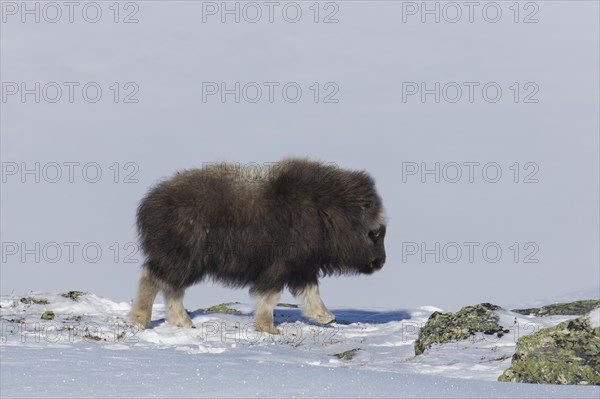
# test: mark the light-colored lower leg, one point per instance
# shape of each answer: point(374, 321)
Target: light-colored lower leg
point(141, 311)
point(176, 313)
point(264, 312)
point(314, 308)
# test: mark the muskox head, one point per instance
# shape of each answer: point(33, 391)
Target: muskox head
point(356, 225)
point(377, 258)
point(373, 240)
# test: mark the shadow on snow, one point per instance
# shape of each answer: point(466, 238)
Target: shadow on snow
point(342, 316)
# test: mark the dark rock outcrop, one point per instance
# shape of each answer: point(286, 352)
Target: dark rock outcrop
point(446, 327)
point(568, 353)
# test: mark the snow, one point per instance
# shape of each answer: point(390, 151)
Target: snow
point(89, 349)
point(88, 371)
point(594, 317)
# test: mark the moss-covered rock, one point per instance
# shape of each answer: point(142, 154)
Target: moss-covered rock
point(74, 295)
point(35, 301)
point(222, 308)
point(287, 305)
point(567, 353)
point(347, 355)
point(446, 327)
point(48, 315)
point(576, 308)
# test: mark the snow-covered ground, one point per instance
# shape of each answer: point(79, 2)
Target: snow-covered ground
point(88, 349)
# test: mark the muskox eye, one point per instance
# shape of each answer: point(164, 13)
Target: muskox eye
point(373, 234)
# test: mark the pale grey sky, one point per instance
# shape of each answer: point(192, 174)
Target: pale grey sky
point(376, 61)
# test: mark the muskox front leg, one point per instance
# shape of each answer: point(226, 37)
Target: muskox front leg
point(314, 308)
point(264, 311)
point(176, 313)
point(141, 311)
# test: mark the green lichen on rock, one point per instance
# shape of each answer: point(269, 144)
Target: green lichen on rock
point(35, 301)
point(576, 308)
point(74, 295)
point(347, 355)
point(287, 305)
point(564, 354)
point(48, 315)
point(446, 327)
point(222, 308)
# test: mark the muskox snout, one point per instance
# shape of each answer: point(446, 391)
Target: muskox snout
point(377, 263)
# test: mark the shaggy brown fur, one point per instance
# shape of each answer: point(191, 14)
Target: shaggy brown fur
point(267, 228)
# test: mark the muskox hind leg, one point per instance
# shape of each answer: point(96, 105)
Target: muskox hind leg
point(141, 311)
point(264, 311)
point(314, 308)
point(176, 313)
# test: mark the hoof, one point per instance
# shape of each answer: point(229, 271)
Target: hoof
point(323, 318)
point(268, 329)
point(139, 321)
point(184, 322)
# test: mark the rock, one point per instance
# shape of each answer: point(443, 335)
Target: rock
point(36, 301)
point(74, 295)
point(48, 315)
point(287, 305)
point(222, 308)
point(568, 353)
point(576, 308)
point(347, 355)
point(445, 327)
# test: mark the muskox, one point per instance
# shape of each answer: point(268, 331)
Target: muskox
point(282, 225)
